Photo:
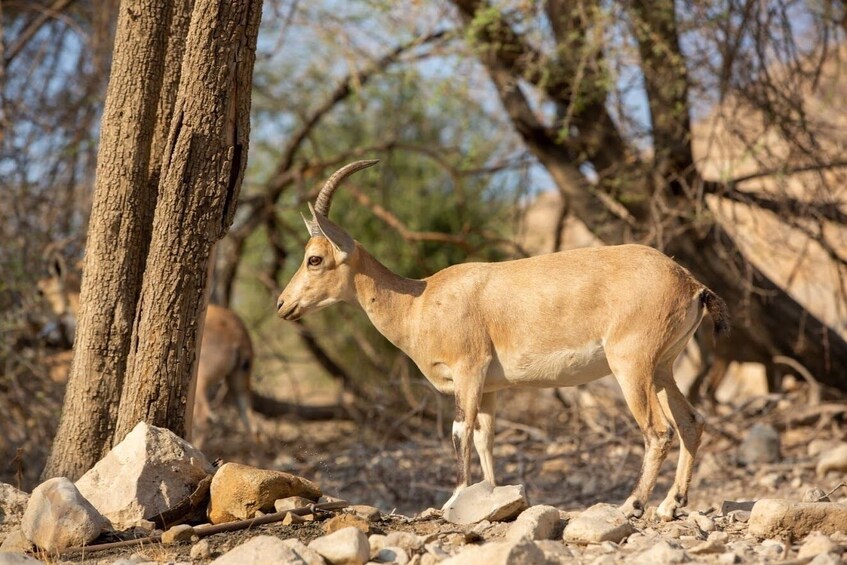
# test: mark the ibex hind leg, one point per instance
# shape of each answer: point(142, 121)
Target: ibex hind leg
point(689, 425)
point(636, 381)
point(239, 384)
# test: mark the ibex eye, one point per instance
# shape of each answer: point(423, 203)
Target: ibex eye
point(314, 260)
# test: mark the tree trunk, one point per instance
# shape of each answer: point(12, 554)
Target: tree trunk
point(202, 169)
point(118, 235)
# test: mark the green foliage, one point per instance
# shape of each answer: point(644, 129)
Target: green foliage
point(429, 136)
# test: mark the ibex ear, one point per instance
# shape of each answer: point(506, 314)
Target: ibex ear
point(311, 225)
point(56, 266)
point(339, 238)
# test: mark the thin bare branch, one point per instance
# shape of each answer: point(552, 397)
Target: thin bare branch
point(32, 28)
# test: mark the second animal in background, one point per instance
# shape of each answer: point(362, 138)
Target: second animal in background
point(226, 351)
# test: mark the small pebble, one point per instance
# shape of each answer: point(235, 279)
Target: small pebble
point(703, 522)
point(815, 544)
point(815, 494)
point(608, 547)
point(740, 516)
point(201, 550)
point(182, 532)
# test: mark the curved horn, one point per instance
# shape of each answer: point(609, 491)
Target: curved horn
point(324, 198)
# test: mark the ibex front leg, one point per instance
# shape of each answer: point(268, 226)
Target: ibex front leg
point(484, 435)
point(468, 397)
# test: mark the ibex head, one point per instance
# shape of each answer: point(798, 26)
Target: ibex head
point(60, 289)
point(325, 276)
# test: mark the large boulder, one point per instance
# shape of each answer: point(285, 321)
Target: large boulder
point(483, 501)
point(601, 522)
point(58, 516)
point(777, 518)
point(12, 504)
point(238, 491)
point(150, 471)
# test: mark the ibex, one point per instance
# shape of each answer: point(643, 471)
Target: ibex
point(226, 351)
point(554, 320)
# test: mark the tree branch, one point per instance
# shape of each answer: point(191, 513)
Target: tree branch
point(781, 204)
point(32, 28)
point(394, 222)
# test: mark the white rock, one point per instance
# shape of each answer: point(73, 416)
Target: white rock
point(602, 522)
point(662, 552)
point(290, 503)
point(741, 548)
point(773, 517)
point(555, 552)
point(536, 523)
point(826, 559)
point(760, 445)
point(178, 533)
point(815, 544)
point(201, 550)
point(392, 554)
point(485, 502)
point(134, 559)
point(771, 549)
point(377, 542)
point(150, 471)
point(15, 542)
point(309, 556)
point(12, 504)
point(718, 536)
point(818, 446)
point(346, 546)
point(429, 514)
point(834, 459)
point(58, 516)
point(369, 513)
point(436, 551)
point(405, 540)
point(729, 558)
point(702, 521)
point(258, 551)
point(18, 559)
point(707, 547)
point(522, 552)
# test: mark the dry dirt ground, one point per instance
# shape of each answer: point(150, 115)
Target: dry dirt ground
point(570, 452)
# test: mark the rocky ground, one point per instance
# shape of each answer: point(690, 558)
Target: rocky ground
point(574, 462)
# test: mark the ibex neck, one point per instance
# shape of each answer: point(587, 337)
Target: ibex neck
point(387, 298)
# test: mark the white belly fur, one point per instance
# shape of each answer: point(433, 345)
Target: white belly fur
point(567, 367)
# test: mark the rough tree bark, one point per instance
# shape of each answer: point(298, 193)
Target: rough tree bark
point(118, 233)
point(202, 169)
